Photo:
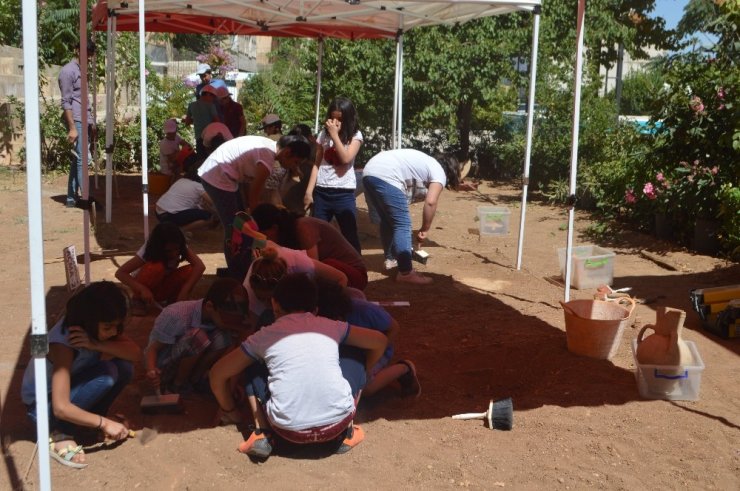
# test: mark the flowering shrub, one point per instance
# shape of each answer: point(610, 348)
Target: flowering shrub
point(219, 60)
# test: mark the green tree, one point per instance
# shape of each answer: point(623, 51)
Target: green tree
point(11, 29)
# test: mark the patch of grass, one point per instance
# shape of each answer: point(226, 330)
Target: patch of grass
point(21, 220)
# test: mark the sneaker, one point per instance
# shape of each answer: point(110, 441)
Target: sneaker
point(413, 277)
point(409, 381)
point(257, 445)
point(352, 438)
point(390, 264)
point(70, 203)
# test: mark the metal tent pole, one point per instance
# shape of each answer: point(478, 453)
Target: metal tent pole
point(399, 126)
point(319, 69)
point(39, 340)
point(394, 124)
point(574, 143)
point(85, 147)
point(530, 125)
point(110, 63)
point(142, 103)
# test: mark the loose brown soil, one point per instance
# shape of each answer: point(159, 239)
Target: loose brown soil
point(483, 330)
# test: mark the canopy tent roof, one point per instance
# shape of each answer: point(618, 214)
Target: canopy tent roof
point(364, 19)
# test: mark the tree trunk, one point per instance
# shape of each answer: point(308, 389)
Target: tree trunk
point(464, 119)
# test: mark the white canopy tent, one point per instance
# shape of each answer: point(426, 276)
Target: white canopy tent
point(350, 19)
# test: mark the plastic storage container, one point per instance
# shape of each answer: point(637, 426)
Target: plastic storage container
point(673, 383)
point(591, 266)
point(493, 220)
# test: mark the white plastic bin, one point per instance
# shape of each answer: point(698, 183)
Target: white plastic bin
point(493, 220)
point(672, 383)
point(591, 266)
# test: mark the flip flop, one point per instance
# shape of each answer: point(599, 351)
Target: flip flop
point(65, 455)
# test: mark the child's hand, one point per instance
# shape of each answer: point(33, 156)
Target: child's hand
point(153, 377)
point(114, 429)
point(78, 338)
point(421, 237)
point(333, 126)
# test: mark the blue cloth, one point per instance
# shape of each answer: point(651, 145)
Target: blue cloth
point(93, 390)
point(372, 316)
point(227, 204)
point(395, 220)
point(331, 203)
point(74, 183)
point(185, 217)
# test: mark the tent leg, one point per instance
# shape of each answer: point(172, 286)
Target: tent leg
point(142, 103)
point(530, 125)
point(319, 69)
point(574, 144)
point(399, 126)
point(39, 341)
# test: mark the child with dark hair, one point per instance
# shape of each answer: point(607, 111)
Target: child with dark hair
point(390, 180)
point(294, 184)
point(268, 269)
point(332, 185)
point(154, 274)
point(186, 204)
point(336, 303)
point(318, 238)
point(89, 363)
point(304, 394)
point(188, 337)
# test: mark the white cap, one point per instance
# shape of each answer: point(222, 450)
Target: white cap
point(170, 126)
point(213, 129)
point(203, 68)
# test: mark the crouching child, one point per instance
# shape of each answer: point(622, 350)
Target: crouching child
point(304, 392)
point(189, 336)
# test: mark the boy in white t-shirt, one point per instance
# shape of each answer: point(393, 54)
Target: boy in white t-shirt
point(186, 204)
point(306, 394)
point(169, 147)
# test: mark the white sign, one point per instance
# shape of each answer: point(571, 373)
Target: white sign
point(70, 267)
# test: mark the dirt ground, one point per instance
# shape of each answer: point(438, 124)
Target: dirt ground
point(481, 331)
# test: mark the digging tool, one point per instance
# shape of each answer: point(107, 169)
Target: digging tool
point(159, 402)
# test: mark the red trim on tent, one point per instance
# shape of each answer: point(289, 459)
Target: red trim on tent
point(199, 24)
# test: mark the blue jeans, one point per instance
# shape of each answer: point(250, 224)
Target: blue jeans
point(94, 390)
point(74, 183)
point(227, 204)
point(395, 220)
point(331, 203)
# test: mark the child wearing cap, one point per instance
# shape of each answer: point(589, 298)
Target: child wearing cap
point(169, 147)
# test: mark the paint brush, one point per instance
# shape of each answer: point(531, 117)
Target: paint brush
point(500, 415)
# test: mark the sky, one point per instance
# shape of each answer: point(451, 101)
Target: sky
point(670, 10)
